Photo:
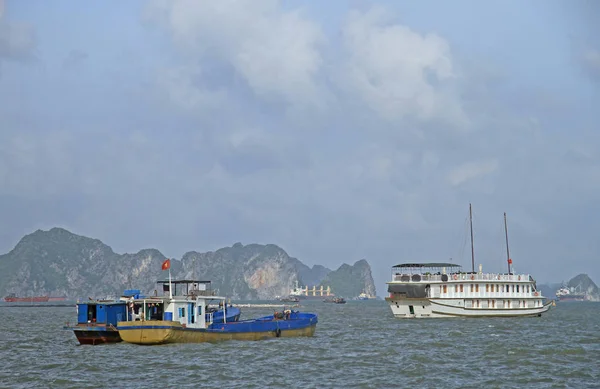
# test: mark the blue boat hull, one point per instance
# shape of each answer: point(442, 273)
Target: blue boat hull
point(161, 331)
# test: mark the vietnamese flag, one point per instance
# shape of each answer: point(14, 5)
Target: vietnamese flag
point(166, 264)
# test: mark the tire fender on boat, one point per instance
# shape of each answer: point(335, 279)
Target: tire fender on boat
point(277, 332)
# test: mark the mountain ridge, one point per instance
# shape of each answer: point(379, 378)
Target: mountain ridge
point(59, 262)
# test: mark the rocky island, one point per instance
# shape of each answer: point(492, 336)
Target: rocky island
point(58, 262)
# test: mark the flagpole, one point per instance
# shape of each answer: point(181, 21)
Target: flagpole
point(170, 286)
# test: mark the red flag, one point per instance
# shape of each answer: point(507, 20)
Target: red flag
point(166, 264)
point(509, 261)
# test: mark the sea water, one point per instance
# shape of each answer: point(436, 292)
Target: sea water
point(356, 345)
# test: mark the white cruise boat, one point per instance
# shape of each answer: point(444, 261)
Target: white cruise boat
point(434, 290)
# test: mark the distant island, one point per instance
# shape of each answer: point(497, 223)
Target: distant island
point(579, 288)
point(59, 263)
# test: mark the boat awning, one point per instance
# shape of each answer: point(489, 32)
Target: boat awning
point(420, 265)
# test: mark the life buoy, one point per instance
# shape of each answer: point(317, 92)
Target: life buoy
point(455, 277)
point(536, 293)
point(472, 277)
point(519, 278)
point(498, 276)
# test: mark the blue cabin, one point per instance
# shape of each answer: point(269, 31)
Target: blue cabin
point(101, 312)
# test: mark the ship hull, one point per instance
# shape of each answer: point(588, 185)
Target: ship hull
point(93, 335)
point(444, 308)
point(162, 332)
point(571, 298)
point(36, 299)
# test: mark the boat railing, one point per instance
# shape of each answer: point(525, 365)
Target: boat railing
point(461, 277)
point(202, 293)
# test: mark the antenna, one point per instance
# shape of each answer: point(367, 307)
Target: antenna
point(472, 247)
point(507, 252)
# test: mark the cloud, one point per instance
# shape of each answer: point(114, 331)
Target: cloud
point(17, 41)
point(398, 72)
point(590, 61)
point(471, 170)
point(74, 59)
point(274, 51)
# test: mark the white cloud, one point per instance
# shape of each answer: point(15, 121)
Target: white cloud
point(471, 170)
point(398, 72)
point(273, 50)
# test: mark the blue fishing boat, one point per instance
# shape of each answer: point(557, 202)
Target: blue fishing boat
point(184, 318)
point(97, 319)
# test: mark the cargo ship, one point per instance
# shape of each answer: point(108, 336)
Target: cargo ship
point(12, 298)
point(306, 293)
point(567, 294)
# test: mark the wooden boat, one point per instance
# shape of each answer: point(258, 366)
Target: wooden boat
point(184, 319)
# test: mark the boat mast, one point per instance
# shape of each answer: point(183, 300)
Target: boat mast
point(472, 247)
point(508, 260)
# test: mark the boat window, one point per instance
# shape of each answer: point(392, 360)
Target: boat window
point(461, 288)
point(477, 288)
point(513, 289)
point(517, 288)
point(493, 303)
point(507, 288)
point(445, 288)
point(487, 287)
point(455, 288)
point(477, 303)
point(497, 288)
point(471, 288)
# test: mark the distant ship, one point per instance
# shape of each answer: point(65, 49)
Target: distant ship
point(12, 298)
point(364, 296)
point(570, 294)
point(310, 294)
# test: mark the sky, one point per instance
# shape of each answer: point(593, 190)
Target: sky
point(338, 130)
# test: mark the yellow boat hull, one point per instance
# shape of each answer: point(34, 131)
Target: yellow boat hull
point(154, 332)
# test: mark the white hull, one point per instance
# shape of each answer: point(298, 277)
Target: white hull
point(440, 308)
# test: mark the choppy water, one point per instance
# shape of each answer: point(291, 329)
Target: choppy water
point(356, 345)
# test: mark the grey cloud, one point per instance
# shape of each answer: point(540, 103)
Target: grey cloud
point(18, 41)
point(74, 59)
point(590, 62)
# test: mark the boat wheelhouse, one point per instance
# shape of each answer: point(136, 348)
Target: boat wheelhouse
point(186, 317)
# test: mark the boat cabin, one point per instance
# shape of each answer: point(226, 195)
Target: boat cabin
point(93, 313)
point(189, 302)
